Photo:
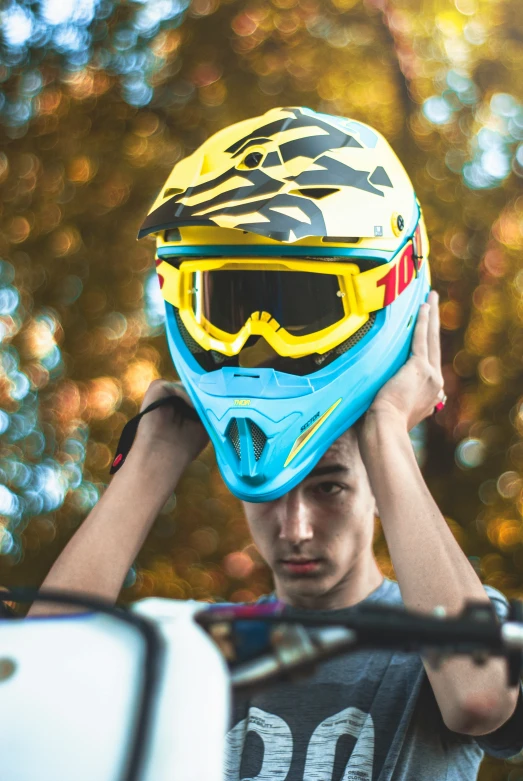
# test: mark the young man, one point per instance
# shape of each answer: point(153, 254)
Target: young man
point(364, 715)
point(292, 257)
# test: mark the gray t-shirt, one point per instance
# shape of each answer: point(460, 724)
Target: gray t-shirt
point(363, 716)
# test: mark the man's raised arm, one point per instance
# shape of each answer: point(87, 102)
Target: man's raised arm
point(430, 566)
point(97, 558)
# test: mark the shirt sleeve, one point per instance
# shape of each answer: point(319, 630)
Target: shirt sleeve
point(507, 741)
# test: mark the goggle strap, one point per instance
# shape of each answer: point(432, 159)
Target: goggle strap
point(416, 247)
point(415, 261)
point(131, 427)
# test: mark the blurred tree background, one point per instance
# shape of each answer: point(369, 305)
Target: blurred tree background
point(98, 100)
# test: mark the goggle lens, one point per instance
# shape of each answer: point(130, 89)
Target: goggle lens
point(301, 302)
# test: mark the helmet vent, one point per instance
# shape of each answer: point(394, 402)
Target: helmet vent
point(191, 343)
point(217, 357)
point(316, 192)
point(252, 160)
point(258, 439)
point(257, 436)
point(326, 358)
point(210, 360)
point(340, 239)
point(170, 191)
point(355, 338)
point(234, 436)
point(173, 234)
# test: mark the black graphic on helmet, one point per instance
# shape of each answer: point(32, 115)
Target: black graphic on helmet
point(265, 196)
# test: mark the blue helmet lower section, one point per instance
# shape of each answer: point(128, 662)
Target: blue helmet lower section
point(255, 416)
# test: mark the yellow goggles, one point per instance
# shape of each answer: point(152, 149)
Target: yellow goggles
point(223, 302)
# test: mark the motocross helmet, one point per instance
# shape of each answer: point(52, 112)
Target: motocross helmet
point(292, 257)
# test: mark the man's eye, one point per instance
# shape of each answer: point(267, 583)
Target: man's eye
point(329, 489)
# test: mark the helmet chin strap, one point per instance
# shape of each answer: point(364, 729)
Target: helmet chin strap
point(131, 427)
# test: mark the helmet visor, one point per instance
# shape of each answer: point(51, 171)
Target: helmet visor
point(300, 302)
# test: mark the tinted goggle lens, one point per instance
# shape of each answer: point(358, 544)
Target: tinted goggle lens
point(301, 302)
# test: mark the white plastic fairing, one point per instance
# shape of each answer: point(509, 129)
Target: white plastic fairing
point(70, 695)
point(67, 710)
point(193, 711)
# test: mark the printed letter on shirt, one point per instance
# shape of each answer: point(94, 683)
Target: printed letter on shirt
point(277, 743)
point(319, 764)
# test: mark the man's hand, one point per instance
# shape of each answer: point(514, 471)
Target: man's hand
point(416, 388)
point(164, 431)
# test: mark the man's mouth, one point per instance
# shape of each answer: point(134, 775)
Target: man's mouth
point(299, 565)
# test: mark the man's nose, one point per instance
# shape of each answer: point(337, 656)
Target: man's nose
point(296, 521)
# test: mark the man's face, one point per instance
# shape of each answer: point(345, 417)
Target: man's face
point(317, 539)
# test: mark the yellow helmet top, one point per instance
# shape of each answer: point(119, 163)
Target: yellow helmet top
point(291, 176)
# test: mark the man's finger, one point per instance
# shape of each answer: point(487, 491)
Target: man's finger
point(419, 341)
point(160, 389)
point(179, 390)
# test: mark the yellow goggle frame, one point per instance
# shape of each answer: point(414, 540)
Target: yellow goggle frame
point(361, 293)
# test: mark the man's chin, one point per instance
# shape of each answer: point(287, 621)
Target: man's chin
point(309, 587)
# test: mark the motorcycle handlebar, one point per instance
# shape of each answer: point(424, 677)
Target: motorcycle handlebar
point(270, 645)
point(262, 642)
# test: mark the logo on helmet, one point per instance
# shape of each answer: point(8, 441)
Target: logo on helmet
point(310, 422)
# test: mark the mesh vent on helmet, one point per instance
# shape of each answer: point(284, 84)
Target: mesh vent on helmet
point(342, 348)
point(208, 359)
point(355, 338)
point(234, 436)
point(258, 439)
point(191, 343)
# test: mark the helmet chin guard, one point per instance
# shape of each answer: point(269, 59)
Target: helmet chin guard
point(292, 257)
